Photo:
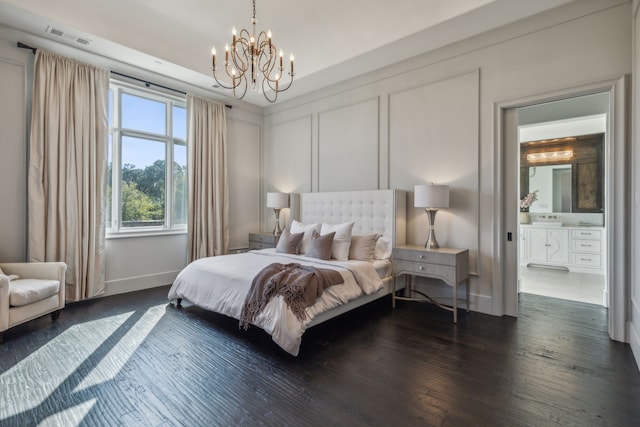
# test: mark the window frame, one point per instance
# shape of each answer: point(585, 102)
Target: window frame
point(117, 88)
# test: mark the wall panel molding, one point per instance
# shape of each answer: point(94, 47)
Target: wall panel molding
point(430, 144)
point(348, 147)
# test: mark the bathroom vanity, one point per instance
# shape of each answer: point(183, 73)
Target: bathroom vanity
point(552, 244)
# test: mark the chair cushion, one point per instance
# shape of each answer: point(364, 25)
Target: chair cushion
point(28, 291)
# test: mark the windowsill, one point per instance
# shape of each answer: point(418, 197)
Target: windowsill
point(144, 233)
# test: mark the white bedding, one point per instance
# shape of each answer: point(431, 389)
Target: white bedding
point(220, 284)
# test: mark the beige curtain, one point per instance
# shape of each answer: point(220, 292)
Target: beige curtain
point(208, 188)
point(68, 169)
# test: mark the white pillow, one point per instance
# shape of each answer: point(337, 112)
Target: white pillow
point(341, 241)
point(383, 248)
point(308, 229)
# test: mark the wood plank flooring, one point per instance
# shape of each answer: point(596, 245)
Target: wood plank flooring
point(134, 360)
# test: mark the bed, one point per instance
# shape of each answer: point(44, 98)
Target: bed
point(221, 284)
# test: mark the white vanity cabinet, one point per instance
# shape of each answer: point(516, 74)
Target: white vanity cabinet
point(580, 249)
point(587, 249)
point(547, 245)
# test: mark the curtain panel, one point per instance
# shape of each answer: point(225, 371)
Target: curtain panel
point(68, 169)
point(208, 206)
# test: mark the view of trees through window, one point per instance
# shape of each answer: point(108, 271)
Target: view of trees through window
point(147, 133)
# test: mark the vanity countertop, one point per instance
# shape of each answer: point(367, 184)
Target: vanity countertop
point(560, 225)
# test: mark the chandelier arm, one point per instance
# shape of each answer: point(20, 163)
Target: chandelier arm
point(221, 84)
point(244, 88)
point(267, 93)
point(266, 67)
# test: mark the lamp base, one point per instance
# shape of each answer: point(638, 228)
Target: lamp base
point(432, 242)
point(276, 229)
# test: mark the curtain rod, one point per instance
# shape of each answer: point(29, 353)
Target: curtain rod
point(146, 83)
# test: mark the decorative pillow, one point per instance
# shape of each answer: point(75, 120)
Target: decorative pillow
point(288, 243)
point(363, 247)
point(383, 248)
point(320, 246)
point(342, 240)
point(308, 229)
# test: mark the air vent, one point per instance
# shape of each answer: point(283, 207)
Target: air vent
point(55, 31)
point(66, 35)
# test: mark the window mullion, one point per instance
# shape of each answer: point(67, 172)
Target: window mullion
point(169, 168)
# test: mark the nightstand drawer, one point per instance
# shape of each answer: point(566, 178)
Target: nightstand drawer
point(445, 272)
point(258, 245)
point(421, 255)
point(263, 238)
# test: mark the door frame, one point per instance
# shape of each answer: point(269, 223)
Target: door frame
point(617, 218)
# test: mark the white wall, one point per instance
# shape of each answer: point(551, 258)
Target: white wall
point(634, 292)
point(14, 71)
point(435, 121)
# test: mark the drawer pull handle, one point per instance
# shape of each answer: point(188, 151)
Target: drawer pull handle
point(421, 256)
point(585, 259)
point(421, 268)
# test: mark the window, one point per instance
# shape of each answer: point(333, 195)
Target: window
point(147, 132)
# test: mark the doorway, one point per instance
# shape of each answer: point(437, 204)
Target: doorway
point(506, 261)
point(562, 252)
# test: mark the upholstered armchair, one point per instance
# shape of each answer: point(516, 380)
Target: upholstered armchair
point(37, 290)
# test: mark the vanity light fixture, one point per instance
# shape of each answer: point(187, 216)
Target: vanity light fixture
point(431, 197)
point(547, 156)
point(277, 201)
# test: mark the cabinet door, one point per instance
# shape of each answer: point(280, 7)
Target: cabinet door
point(558, 245)
point(537, 244)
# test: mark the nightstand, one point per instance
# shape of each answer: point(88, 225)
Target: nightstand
point(262, 240)
point(447, 264)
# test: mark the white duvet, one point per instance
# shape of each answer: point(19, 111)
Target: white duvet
point(221, 284)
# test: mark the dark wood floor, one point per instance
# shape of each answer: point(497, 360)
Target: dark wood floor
point(135, 360)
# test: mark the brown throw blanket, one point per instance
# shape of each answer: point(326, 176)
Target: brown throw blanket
point(300, 286)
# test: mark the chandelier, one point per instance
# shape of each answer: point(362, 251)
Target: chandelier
point(252, 58)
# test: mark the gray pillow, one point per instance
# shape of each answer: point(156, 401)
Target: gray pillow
point(320, 246)
point(363, 247)
point(288, 243)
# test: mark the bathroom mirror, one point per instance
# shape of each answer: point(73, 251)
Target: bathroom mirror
point(553, 184)
point(567, 172)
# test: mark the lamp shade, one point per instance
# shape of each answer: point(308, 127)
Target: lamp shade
point(431, 196)
point(277, 200)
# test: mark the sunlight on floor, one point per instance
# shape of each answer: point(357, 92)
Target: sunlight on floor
point(84, 355)
point(69, 417)
point(22, 391)
point(573, 286)
point(114, 361)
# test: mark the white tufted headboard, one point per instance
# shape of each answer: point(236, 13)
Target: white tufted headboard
point(374, 211)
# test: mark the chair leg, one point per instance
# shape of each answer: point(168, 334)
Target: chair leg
point(55, 315)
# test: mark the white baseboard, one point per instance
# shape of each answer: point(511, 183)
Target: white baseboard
point(138, 283)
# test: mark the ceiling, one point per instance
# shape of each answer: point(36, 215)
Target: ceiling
point(332, 40)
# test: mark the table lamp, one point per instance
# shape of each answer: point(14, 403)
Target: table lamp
point(431, 197)
point(277, 201)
